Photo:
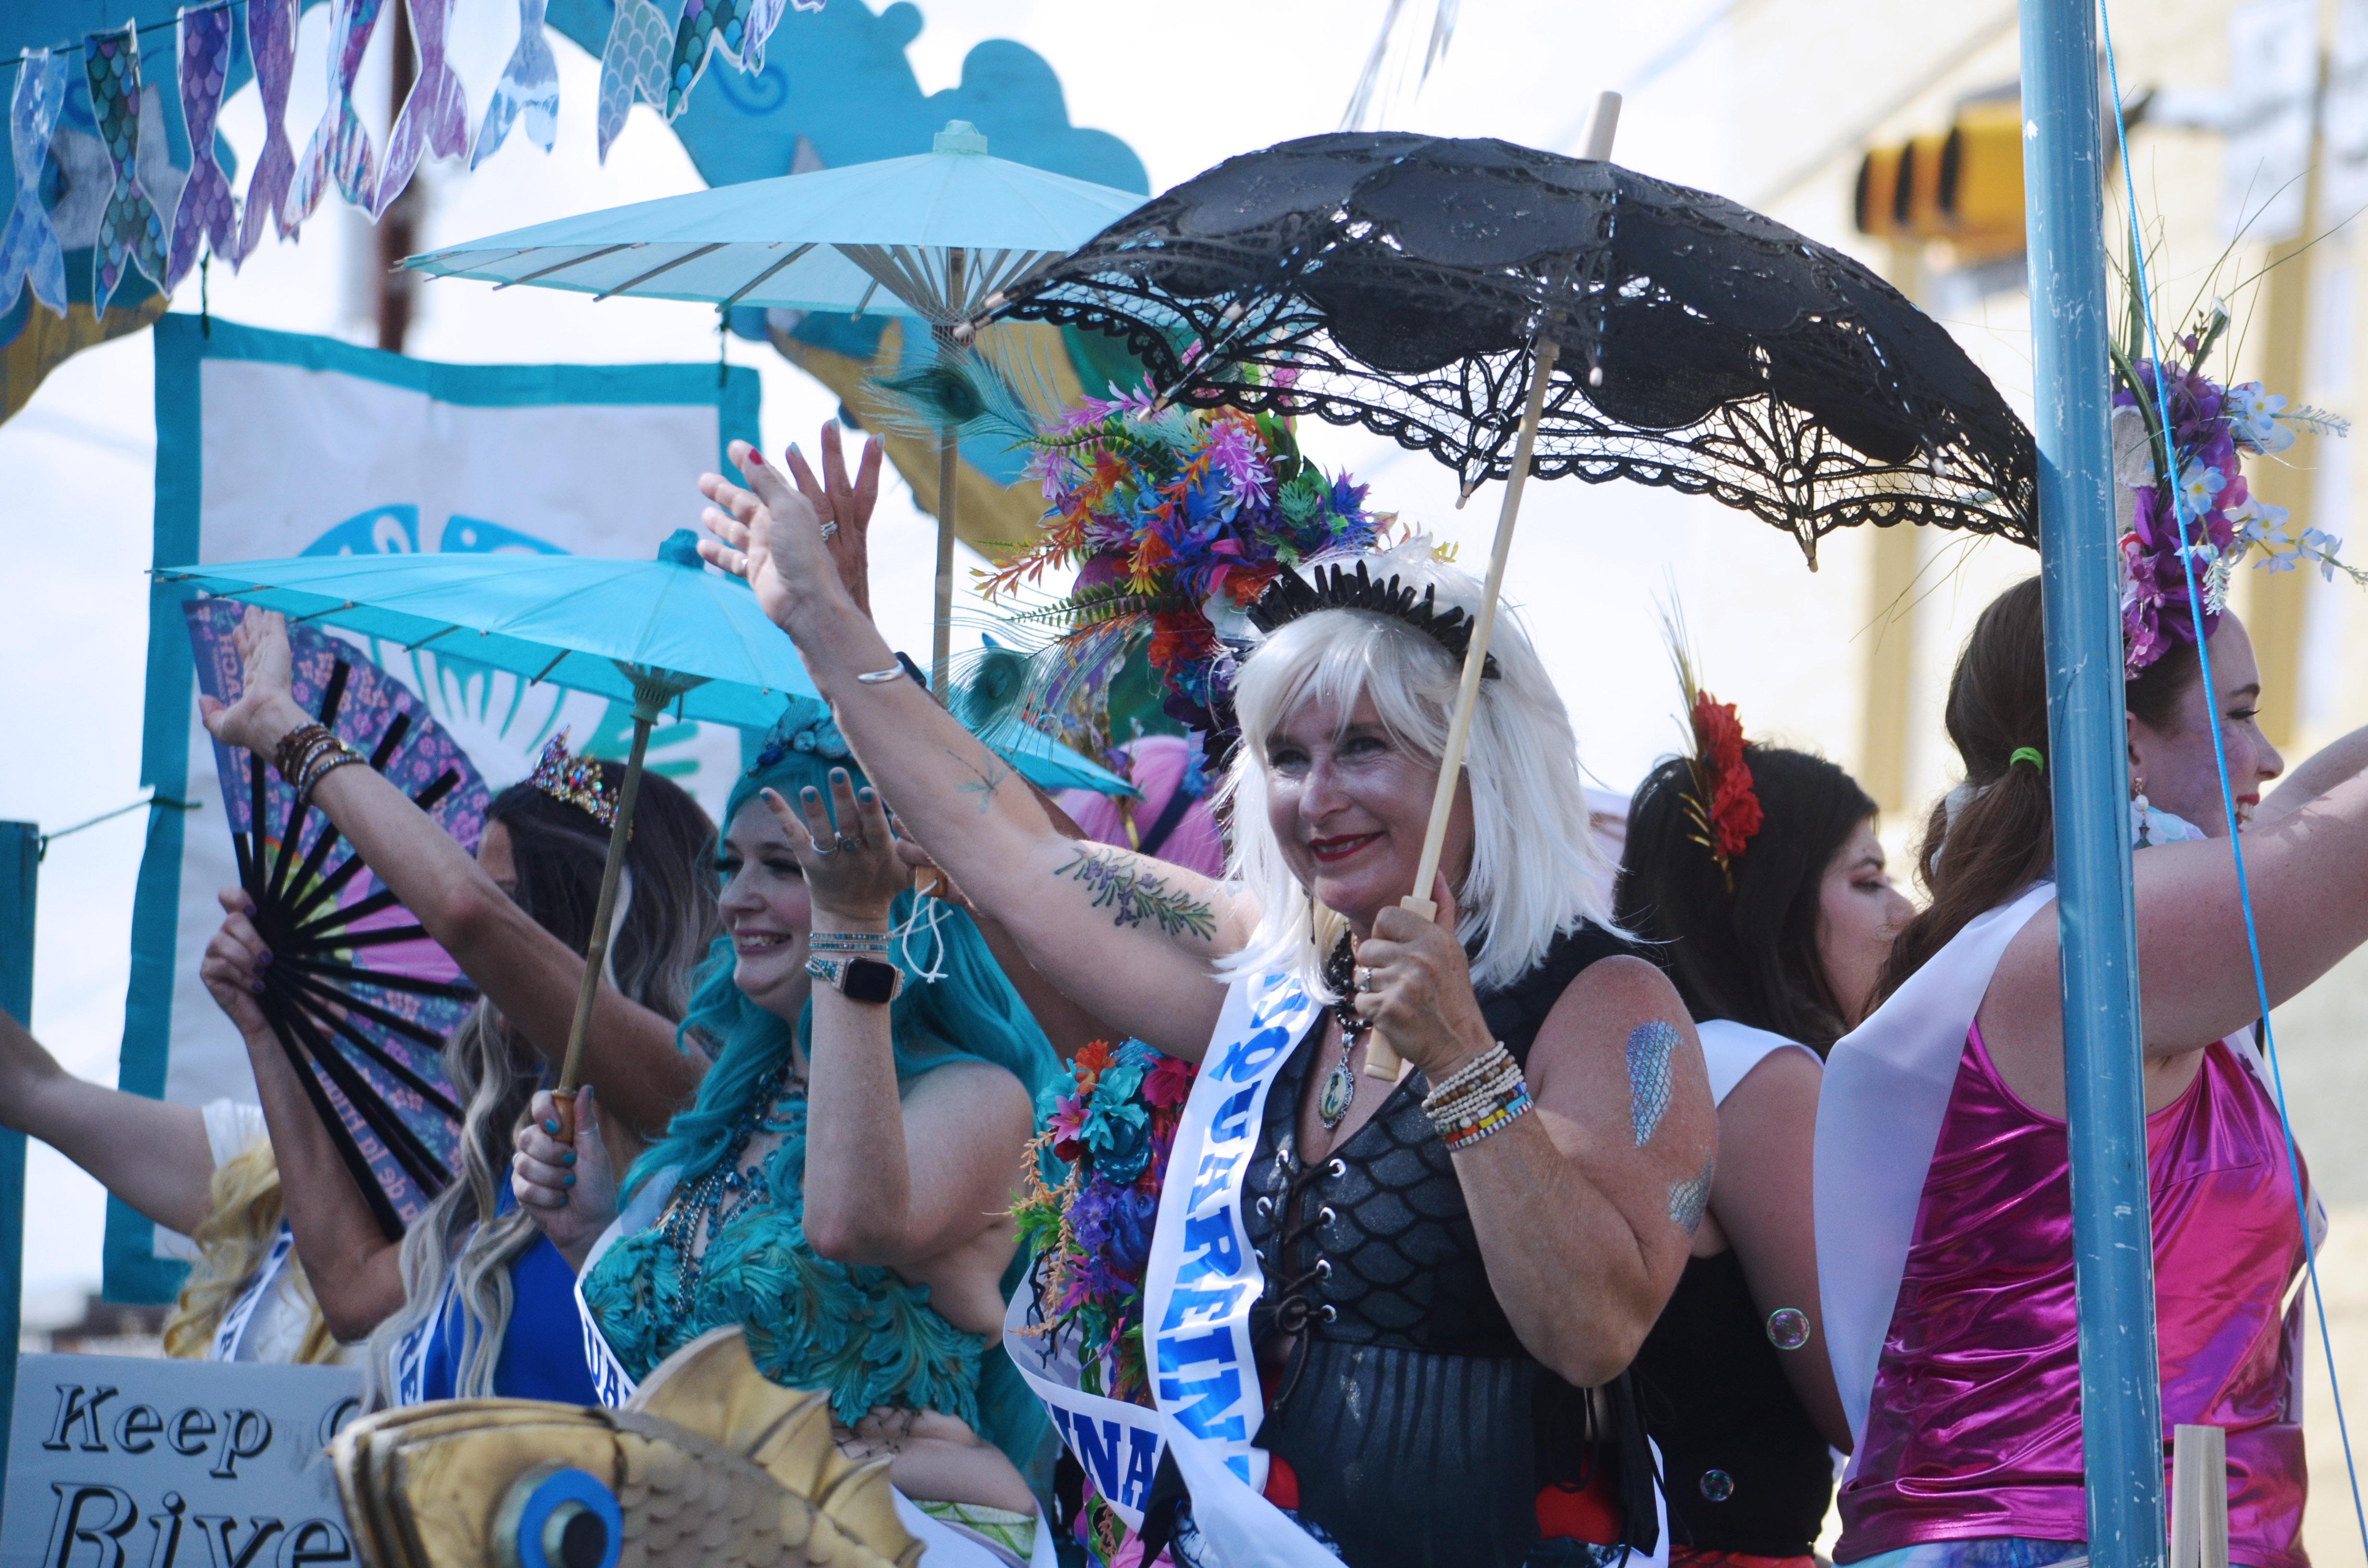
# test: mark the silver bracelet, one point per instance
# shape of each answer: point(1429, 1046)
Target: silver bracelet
point(882, 677)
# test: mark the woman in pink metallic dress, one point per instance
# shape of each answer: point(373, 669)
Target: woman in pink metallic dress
point(1943, 1210)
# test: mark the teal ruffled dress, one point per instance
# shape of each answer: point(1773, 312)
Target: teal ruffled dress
point(859, 1332)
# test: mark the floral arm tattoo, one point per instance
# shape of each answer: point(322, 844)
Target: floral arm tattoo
point(1133, 896)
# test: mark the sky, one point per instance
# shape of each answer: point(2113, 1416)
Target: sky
point(1185, 86)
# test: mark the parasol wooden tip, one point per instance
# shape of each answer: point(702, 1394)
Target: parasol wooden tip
point(563, 1112)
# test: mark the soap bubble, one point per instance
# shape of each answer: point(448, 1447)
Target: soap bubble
point(1788, 1328)
point(1717, 1485)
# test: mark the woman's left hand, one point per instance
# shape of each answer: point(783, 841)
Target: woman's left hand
point(1414, 981)
point(848, 852)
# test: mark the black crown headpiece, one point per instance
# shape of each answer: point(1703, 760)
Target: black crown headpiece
point(1290, 595)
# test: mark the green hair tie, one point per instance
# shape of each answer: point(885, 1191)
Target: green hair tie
point(2029, 755)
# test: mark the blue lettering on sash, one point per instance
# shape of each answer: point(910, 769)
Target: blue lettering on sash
point(1209, 1397)
point(1180, 1352)
point(1245, 1059)
point(1190, 1306)
point(1284, 999)
point(1141, 1465)
point(1216, 1173)
point(1098, 1452)
point(1061, 1419)
point(1232, 1122)
point(1211, 1235)
point(1240, 1465)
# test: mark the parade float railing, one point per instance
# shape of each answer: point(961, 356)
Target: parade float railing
point(20, 862)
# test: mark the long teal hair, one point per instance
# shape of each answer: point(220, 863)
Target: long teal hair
point(956, 1006)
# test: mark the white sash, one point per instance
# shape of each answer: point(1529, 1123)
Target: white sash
point(410, 1355)
point(609, 1379)
point(1730, 1051)
point(1886, 1089)
point(1199, 1284)
point(233, 1327)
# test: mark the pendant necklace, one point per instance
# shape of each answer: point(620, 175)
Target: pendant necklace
point(1340, 1084)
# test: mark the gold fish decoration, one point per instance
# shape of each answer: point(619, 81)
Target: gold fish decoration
point(708, 1463)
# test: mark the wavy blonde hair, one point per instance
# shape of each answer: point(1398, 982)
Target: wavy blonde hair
point(231, 1244)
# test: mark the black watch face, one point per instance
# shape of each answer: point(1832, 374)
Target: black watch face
point(869, 980)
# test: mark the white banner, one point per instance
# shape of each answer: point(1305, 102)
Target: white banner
point(270, 444)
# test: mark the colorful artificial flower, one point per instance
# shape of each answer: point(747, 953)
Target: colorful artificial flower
point(2170, 417)
point(1176, 519)
point(1089, 1218)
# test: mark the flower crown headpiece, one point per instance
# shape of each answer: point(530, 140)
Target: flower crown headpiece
point(2170, 418)
point(1176, 520)
point(1721, 803)
point(575, 779)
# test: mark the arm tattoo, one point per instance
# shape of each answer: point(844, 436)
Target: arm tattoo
point(1690, 1196)
point(1649, 1046)
point(1134, 897)
point(988, 778)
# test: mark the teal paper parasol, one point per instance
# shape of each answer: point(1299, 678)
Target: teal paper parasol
point(939, 235)
point(665, 633)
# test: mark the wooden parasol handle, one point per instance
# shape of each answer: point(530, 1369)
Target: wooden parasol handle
point(1382, 1061)
point(596, 954)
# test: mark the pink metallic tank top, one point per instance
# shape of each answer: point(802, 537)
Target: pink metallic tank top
point(1975, 1425)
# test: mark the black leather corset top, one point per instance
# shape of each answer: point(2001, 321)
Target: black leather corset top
point(1374, 1245)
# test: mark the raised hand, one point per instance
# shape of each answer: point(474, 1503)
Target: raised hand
point(770, 535)
point(235, 961)
point(848, 852)
point(571, 1190)
point(266, 709)
point(844, 507)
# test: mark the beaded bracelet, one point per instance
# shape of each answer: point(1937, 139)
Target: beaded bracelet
point(1479, 1099)
point(1466, 1076)
point(296, 748)
point(319, 763)
point(848, 942)
point(1494, 1123)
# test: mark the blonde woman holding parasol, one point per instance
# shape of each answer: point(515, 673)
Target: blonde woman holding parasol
point(1426, 1276)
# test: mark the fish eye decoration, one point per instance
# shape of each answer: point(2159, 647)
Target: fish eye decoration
point(556, 1516)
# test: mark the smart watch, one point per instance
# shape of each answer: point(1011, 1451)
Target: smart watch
point(860, 979)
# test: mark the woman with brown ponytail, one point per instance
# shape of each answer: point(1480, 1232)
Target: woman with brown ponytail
point(1941, 1190)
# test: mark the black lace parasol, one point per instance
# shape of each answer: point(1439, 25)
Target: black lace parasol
point(1401, 282)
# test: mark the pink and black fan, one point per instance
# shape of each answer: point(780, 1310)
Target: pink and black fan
point(358, 993)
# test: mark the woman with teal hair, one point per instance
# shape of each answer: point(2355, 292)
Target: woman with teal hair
point(841, 1188)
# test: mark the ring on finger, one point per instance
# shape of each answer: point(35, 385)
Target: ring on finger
point(819, 848)
point(1365, 977)
point(830, 528)
point(849, 841)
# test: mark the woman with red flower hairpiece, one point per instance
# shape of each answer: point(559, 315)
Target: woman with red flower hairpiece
point(1753, 876)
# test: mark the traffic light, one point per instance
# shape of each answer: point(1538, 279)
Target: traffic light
point(1962, 185)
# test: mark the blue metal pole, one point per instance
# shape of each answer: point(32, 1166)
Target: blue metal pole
point(21, 863)
point(2089, 772)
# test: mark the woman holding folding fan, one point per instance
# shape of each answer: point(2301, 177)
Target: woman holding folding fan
point(440, 1305)
point(1424, 1280)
